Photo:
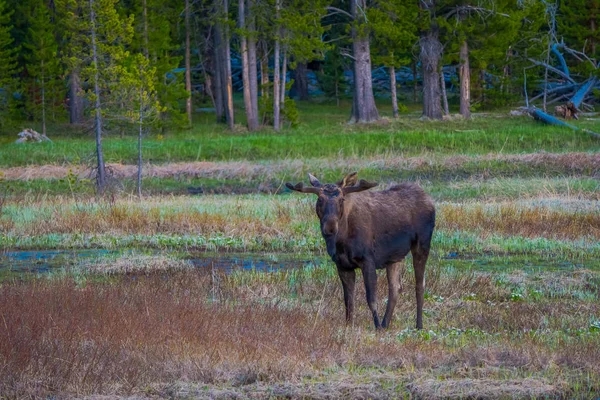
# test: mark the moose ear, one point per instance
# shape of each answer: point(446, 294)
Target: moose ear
point(349, 180)
point(301, 188)
point(362, 185)
point(314, 181)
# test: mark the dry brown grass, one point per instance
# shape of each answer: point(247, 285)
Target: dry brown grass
point(148, 331)
point(278, 218)
point(575, 162)
point(510, 219)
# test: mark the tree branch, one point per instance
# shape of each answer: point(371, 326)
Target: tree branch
point(551, 68)
point(338, 11)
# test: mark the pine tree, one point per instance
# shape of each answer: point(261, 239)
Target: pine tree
point(8, 65)
point(42, 62)
point(393, 23)
point(578, 24)
point(98, 38)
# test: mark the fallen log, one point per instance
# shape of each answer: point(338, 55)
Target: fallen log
point(541, 116)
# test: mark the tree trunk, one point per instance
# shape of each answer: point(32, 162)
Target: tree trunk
point(283, 79)
point(226, 82)
point(276, 83)
point(264, 72)
point(218, 75)
point(431, 52)
point(75, 101)
point(363, 104)
point(301, 81)
point(393, 92)
point(444, 94)
point(252, 63)
point(188, 68)
point(251, 119)
point(43, 100)
point(139, 171)
point(101, 172)
point(465, 81)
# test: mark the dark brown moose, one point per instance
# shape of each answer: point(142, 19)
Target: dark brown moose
point(374, 230)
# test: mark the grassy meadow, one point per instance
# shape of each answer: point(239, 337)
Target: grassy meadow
point(512, 304)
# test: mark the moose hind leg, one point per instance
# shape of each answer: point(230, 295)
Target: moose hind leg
point(420, 256)
point(394, 289)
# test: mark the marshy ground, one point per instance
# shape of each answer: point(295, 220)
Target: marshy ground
point(512, 289)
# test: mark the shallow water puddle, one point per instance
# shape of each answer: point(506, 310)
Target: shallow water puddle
point(41, 261)
point(15, 263)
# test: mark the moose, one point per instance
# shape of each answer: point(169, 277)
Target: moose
point(374, 230)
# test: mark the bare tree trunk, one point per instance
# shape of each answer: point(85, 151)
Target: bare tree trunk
point(75, 101)
point(43, 100)
point(101, 173)
point(252, 63)
point(363, 105)
point(264, 71)
point(251, 119)
point(301, 81)
point(276, 83)
point(228, 85)
point(431, 52)
point(218, 75)
point(393, 90)
point(444, 94)
point(188, 68)
point(283, 79)
point(465, 81)
point(139, 171)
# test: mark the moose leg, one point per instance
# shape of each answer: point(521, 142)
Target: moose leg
point(394, 288)
point(370, 278)
point(419, 260)
point(348, 278)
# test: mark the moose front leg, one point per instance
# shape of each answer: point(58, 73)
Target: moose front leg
point(370, 278)
point(348, 278)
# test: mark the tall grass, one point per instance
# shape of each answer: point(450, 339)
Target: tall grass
point(288, 224)
point(141, 333)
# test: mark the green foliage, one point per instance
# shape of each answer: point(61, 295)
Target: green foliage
point(302, 29)
point(578, 24)
point(8, 63)
point(43, 64)
point(331, 77)
point(393, 25)
point(289, 111)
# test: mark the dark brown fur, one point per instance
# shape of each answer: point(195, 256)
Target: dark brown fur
point(374, 230)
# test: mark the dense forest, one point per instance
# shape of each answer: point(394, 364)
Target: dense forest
point(119, 66)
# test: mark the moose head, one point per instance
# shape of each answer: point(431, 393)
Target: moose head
point(331, 196)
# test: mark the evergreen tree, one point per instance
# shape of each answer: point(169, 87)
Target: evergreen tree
point(8, 65)
point(393, 23)
point(578, 25)
point(331, 77)
point(42, 64)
